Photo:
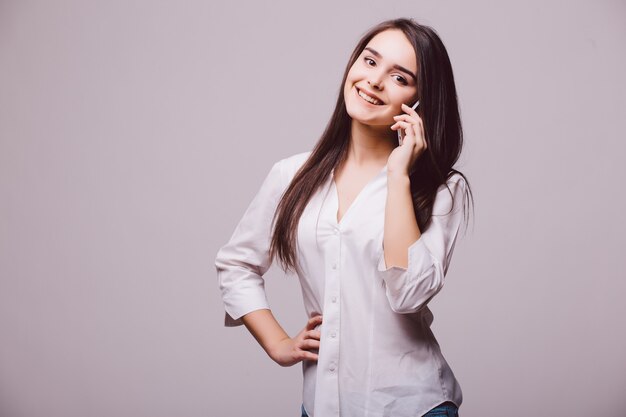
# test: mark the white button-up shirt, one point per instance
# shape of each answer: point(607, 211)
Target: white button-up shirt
point(378, 355)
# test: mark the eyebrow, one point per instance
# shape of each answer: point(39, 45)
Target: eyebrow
point(396, 66)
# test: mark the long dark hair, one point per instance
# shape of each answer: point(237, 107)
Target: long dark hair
point(442, 127)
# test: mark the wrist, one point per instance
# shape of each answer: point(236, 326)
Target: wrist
point(398, 178)
point(274, 347)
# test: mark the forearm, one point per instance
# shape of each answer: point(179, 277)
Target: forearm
point(401, 229)
point(265, 329)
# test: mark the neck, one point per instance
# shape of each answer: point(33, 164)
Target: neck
point(370, 145)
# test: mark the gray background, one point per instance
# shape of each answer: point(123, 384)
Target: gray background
point(133, 134)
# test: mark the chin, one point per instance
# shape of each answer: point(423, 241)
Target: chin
point(367, 118)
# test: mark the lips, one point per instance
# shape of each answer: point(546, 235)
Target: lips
point(369, 94)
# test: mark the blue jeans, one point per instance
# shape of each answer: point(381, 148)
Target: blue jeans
point(447, 409)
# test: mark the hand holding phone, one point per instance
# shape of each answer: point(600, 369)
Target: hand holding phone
point(400, 135)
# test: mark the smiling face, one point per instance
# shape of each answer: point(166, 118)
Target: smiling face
point(385, 71)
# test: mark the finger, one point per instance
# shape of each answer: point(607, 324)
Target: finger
point(416, 120)
point(308, 356)
point(419, 141)
point(313, 321)
point(402, 124)
point(408, 109)
point(419, 144)
point(308, 344)
point(314, 334)
point(415, 129)
point(409, 132)
point(407, 118)
point(409, 137)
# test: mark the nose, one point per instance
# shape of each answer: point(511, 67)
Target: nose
point(375, 80)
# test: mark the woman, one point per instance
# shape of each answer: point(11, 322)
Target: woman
point(369, 227)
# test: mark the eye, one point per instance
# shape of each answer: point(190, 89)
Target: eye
point(401, 79)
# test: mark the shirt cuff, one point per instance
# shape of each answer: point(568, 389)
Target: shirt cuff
point(239, 305)
point(397, 278)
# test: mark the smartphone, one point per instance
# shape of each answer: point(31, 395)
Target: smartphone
point(400, 136)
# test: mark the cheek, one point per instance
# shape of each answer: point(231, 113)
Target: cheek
point(350, 79)
point(401, 97)
point(356, 73)
point(346, 89)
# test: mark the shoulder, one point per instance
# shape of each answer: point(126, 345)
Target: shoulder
point(290, 165)
point(456, 179)
point(294, 162)
point(283, 170)
point(450, 194)
point(455, 184)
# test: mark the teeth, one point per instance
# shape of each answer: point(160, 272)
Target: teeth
point(370, 99)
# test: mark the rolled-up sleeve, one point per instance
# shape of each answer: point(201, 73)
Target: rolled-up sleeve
point(410, 289)
point(242, 262)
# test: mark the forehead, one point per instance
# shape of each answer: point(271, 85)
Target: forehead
point(395, 48)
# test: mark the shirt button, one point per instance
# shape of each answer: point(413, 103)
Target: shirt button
point(332, 367)
point(336, 231)
point(334, 299)
point(334, 266)
point(333, 334)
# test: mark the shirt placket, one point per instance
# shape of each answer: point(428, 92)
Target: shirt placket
point(327, 384)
